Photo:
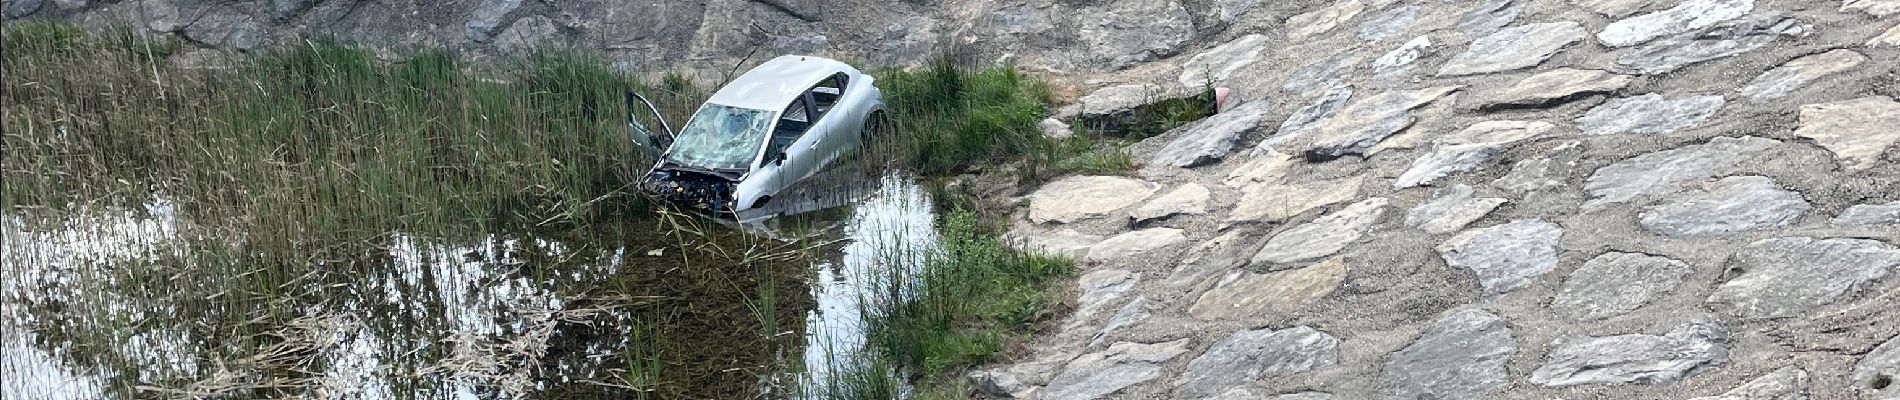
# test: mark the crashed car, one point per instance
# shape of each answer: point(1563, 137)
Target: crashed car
point(774, 126)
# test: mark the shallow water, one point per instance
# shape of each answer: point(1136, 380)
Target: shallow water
point(143, 303)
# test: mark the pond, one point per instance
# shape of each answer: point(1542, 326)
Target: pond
point(141, 302)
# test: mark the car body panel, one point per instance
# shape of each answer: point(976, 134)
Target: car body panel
point(774, 86)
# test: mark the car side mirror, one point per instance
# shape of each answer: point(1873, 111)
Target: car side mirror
point(778, 158)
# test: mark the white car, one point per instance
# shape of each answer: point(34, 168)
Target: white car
point(778, 124)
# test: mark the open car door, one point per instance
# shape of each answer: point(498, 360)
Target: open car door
point(641, 117)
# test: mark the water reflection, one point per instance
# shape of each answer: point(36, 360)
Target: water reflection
point(141, 303)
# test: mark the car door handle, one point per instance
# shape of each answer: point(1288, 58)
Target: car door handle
point(814, 142)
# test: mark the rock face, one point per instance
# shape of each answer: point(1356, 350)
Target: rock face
point(1130, 32)
point(1323, 20)
point(1665, 171)
point(1095, 375)
point(1324, 236)
point(1877, 370)
point(1490, 16)
point(486, 21)
point(1857, 131)
point(1247, 295)
point(1462, 356)
point(1633, 358)
point(1250, 355)
point(1556, 87)
point(1786, 78)
point(1505, 257)
point(1616, 283)
point(1787, 383)
point(1513, 48)
point(1305, 119)
point(1722, 40)
point(1468, 150)
point(1216, 64)
point(1687, 16)
point(1188, 199)
point(1365, 123)
point(1401, 59)
point(1733, 204)
point(1321, 75)
point(1274, 203)
point(1388, 23)
point(1210, 140)
point(1649, 114)
point(1792, 276)
point(1134, 243)
point(1080, 197)
point(1870, 215)
point(1454, 208)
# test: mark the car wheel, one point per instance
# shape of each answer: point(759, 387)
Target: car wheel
point(874, 128)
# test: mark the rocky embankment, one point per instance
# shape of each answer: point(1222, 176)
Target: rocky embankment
point(1512, 199)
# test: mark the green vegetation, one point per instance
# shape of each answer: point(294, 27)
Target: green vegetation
point(301, 173)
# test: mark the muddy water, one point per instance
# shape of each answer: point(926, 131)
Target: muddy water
point(142, 302)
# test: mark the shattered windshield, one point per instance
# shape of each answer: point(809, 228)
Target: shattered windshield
point(721, 137)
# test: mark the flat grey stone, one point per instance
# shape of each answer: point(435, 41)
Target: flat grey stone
point(1648, 114)
point(1246, 295)
point(1733, 204)
point(1388, 23)
point(1555, 87)
point(1215, 65)
point(1247, 356)
point(1513, 48)
point(1305, 119)
point(1729, 38)
point(1889, 39)
point(1081, 197)
point(1454, 208)
point(1324, 19)
point(1268, 202)
point(1065, 242)
point(1231, 10)
point(1786, 78)
point(1505, 257)
point(1792, 276)
point(999, 384)
point(1190, 198)
point(1787, 383)
point(1401, 59)
point(1461, 356)
point(1243, 393)
point(1055, 129)
point(1666, 171)
point(1120, 99)
point(1096, 375)
point(1322, 237)
point(1100, 287)
point(1321, 75)
point(1878, 8)
point(1870, 215)
point(1616, 283)
point(1879, 367)
point(1214, 257)
point(1613, 8)
point(1130, 314)
point(485, 21)
point(1470, 149)
point(1858, 131)
point(1211, 139)
point(1125, 33)
point(1361, 125)
point(1688, 16)
point(1633, 358)
point(1123, 246)
point(1490, 17)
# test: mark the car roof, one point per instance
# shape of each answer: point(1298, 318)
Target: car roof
point(774, 84)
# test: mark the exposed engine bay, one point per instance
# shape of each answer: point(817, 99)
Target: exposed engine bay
point(693, 190)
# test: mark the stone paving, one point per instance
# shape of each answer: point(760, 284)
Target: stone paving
point(1499, 199)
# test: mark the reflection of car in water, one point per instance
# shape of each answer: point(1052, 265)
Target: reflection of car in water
point(778, 124)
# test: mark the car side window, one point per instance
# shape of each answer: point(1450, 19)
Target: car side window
point(826, 94)
point(791, 124)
